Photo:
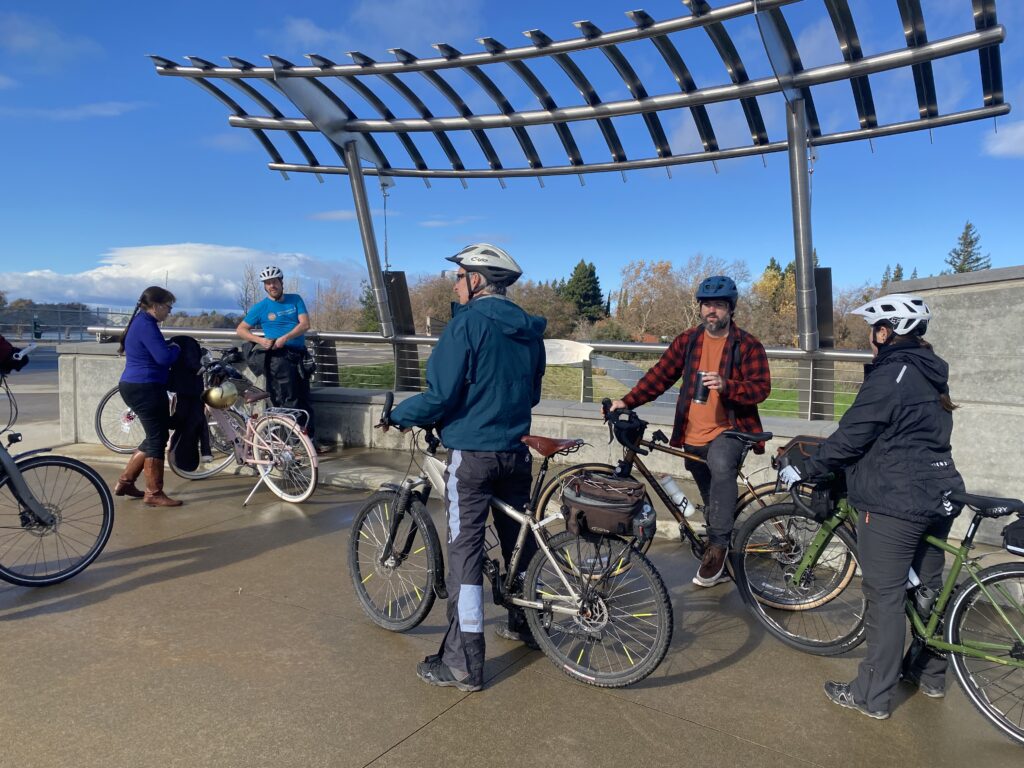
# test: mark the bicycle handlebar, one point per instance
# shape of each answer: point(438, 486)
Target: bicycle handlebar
point(621, 423)
point(22, 353)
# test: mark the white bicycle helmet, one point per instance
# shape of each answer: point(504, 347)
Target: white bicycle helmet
point(492, 262)
point(271, 273)
point(902, 311)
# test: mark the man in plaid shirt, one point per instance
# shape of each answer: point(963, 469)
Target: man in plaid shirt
point(735, 372)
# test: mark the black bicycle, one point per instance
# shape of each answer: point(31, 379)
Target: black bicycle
point(56, 513)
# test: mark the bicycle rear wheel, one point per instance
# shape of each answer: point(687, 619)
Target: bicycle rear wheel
point(823, 614)
point(991, 620)
point(622, 628)
point(117, 426)
point(222, 447)
point(290, 470)
point(33, 554)
point(399, 593)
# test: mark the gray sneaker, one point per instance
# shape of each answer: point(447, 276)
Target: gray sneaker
point(840, 693)
point(931, 691)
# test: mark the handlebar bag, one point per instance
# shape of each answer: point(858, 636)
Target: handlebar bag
point(600, 503)
point(1013, 537)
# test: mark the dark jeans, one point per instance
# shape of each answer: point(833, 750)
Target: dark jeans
point(471, 480)
point(887, 548)
point(716, 481)
point(287, 388)
point(149, 401)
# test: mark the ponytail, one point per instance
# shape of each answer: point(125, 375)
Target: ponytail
point(150, 297)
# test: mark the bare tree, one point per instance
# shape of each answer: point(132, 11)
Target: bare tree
point(334, 306)
point(250, 291)
point(431, 297)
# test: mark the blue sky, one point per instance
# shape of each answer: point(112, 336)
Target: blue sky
point(115, 178)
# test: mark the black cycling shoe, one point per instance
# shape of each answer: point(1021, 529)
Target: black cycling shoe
point(516, 629)
point(840, 693)
point(435, 672)
point(931, 691)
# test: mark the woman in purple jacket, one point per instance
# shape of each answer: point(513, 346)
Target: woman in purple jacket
point(143, 386)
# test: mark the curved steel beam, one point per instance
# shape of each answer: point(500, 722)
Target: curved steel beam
point(374, 101)
point(231, 104)
point(619, 37)
point(657, 162)
point(783, 38)
point(587, 91)
point(417, 104)
point(991, 68)
point(924, 79)
point(809, 77)
point(502, 103)
point(683, 79)
point(636, 88)
point(460, 106)
point(849, 44)
point(572, 151)
point(734, 65)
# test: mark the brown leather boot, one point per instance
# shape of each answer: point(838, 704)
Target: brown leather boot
point(126, 482)
point(155, 496)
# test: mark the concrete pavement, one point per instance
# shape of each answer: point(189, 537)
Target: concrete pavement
point(212, 635)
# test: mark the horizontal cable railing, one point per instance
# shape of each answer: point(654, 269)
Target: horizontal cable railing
point(805, 385)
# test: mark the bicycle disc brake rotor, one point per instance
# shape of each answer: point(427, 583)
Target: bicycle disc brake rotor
point(31, 523)
point(593, 615)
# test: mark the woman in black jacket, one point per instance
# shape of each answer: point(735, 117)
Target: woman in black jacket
point(895, 445)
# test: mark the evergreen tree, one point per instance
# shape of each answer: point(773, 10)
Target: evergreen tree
point(368, 320)
point(886, 276)
point(897, 273)
point(583, 289)
point(773, 267)
point(966, 257)
point(913, 275)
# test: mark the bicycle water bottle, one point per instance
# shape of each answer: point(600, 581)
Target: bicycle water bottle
point(921, 595)
point(676, 494)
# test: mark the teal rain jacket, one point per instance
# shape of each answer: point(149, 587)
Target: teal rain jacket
point(483, 377)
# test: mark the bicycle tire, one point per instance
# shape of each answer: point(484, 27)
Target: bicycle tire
point(825, 614)
point(117, 426)
point(292, 474)
point(221, 449)
point(625, 630)
point(34, 555)
point(995, 690)
point(398, 596)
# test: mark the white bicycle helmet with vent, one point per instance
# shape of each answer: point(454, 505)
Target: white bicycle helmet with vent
point(902, 311)
point(271, 273)
point(492, 262)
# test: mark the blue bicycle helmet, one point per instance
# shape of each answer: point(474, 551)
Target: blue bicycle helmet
point(718, 287)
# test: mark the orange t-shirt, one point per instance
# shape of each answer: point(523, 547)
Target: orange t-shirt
point(706, 421)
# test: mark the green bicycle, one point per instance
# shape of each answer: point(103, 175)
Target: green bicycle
point(791, 553)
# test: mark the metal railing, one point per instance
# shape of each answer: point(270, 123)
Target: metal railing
point(805, 385)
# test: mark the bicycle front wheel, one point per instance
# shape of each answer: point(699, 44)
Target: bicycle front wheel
point(34, 554)
point(117, 426)
point(823, 612)
point(222, 446)
point(285, 457)
point(987, 615)
point(396, 593)
point(619, 630)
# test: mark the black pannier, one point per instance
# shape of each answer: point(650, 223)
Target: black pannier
point(602, 503)
point(1013, 537)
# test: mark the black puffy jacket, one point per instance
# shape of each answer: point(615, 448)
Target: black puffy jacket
point(894, 440)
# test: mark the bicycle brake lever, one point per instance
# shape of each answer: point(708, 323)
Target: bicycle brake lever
point(659, 437)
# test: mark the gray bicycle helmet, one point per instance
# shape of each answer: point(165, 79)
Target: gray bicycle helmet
point(271, 273)
point(492, 262)
point(718, 287)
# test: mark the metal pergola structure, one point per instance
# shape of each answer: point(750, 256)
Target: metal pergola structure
point(321, 92)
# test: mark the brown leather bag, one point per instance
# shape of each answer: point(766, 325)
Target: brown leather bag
point(601, 503)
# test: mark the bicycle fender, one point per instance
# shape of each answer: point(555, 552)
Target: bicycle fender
point(25, 454)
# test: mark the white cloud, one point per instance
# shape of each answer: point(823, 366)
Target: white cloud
point(40, 43)
point(7, 82)
point(446, 221)
point(80, 112)
point(235, 141)
point(1009, 142)
point(344, 215)
point(818, 45)
point(201, 275)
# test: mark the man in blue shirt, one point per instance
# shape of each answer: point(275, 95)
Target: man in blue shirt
point(284, 321)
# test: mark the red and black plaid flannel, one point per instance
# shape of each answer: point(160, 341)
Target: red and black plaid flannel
point(745, 387)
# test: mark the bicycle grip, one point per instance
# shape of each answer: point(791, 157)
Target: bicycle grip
point(385, 414)
point(606, 406)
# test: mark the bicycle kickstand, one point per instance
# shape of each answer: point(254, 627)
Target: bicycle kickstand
point(255, 488)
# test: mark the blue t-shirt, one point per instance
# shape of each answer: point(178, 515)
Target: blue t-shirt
point(277, 318)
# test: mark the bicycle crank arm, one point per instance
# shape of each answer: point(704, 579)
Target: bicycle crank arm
point(539, 605)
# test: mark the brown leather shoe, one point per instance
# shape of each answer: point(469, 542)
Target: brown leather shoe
point(155, 496)
point(126, 482)
point(712, 568)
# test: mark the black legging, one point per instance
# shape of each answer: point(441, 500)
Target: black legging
point(149, 401)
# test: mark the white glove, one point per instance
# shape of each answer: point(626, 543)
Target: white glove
point(790, 476)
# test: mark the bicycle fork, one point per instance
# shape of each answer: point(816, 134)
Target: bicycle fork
point(390, 556)
point(21, 490)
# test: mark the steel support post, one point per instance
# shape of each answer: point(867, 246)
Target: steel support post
point(799, 184)
point(380, 296)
